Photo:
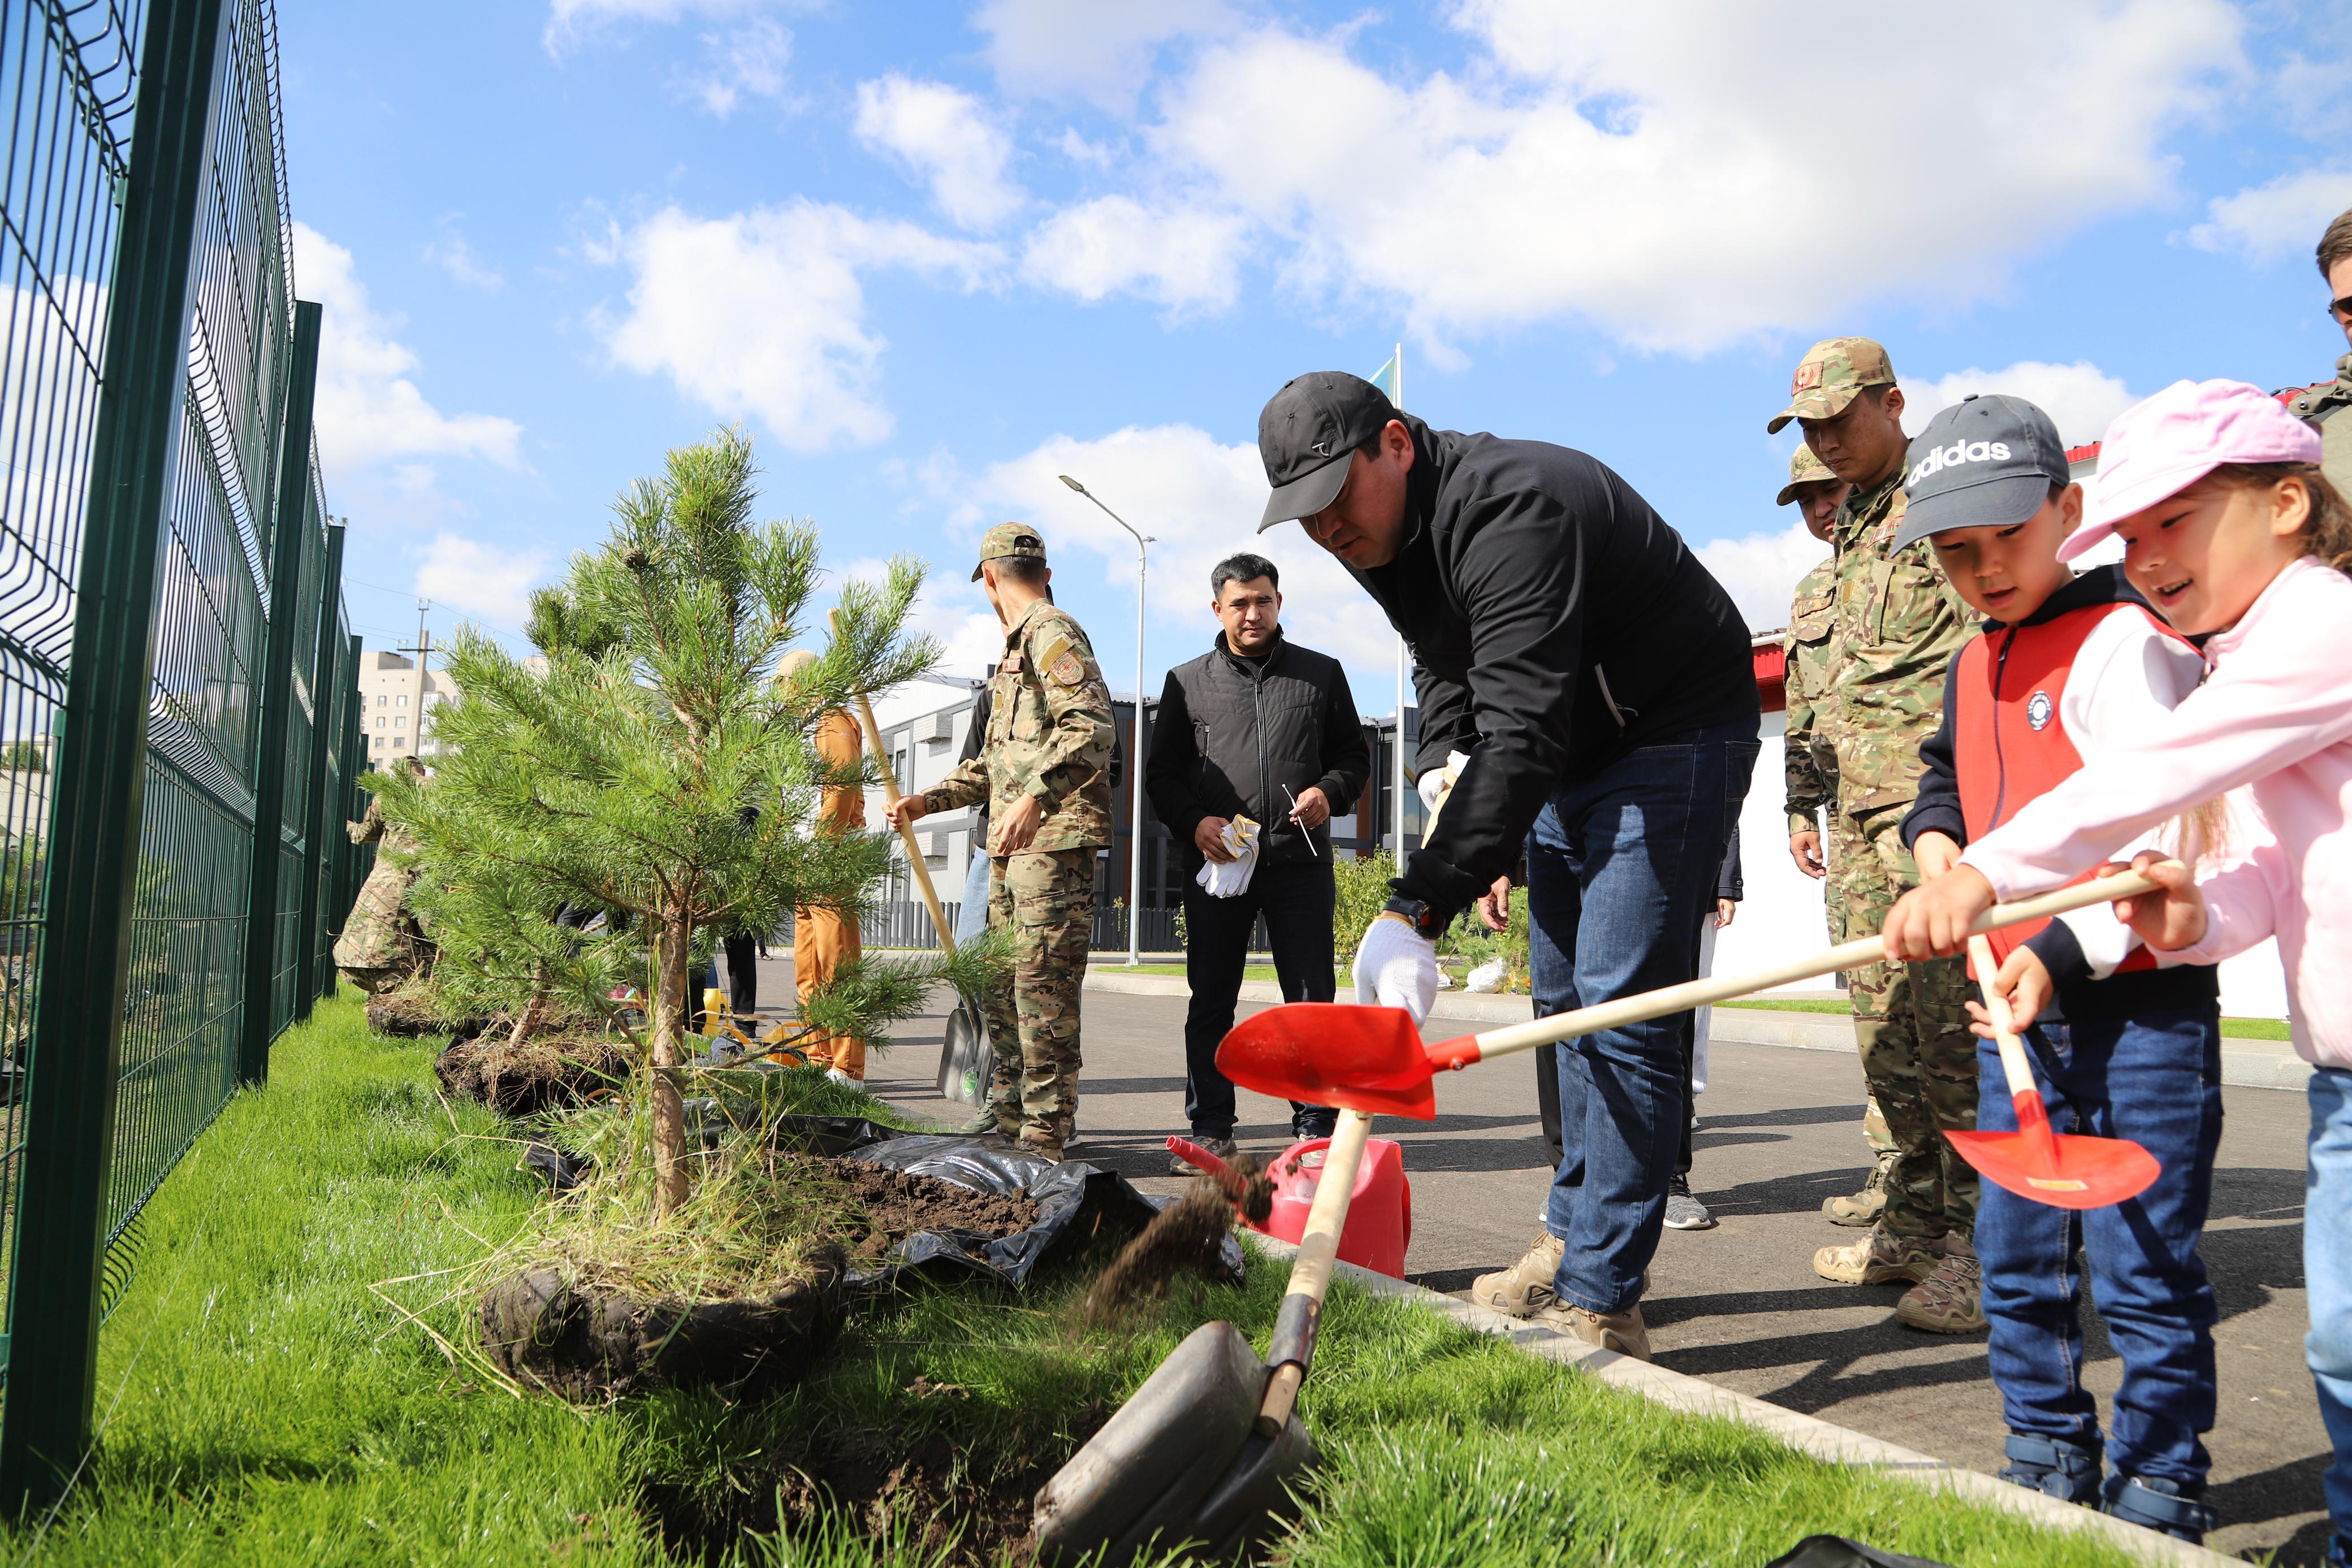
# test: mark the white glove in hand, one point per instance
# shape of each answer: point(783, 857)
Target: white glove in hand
point(1437, 784)
point(1230, 879)
point(1396, 966)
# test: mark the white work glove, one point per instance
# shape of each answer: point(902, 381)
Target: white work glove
point(1438, 782)
point(1396, 966)
point(1231, 879)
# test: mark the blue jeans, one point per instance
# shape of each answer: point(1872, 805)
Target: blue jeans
point(1620, 868)
point(2154, 1079)
point(972, 914)
point(2327, 1272)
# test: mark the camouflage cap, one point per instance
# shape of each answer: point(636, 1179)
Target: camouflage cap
point(1010, 538)
point(1829, 376)
point(1804, 469)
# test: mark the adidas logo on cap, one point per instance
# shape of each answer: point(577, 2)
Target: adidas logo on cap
point(1957, 453)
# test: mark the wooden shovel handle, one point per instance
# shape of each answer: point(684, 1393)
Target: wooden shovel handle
point(1310, 1273)
point(915, 861)
point(1518, 1036)
point(2013, 1065)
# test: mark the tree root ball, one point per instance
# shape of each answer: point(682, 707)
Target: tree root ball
point(597, 1345)
point(543, 1073)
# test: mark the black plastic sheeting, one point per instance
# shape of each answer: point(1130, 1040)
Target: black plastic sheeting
point(1837, 1551)
point(1072, 1198)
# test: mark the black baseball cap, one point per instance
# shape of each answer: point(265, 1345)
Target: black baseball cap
point(1985, 462)
point(1306, 434)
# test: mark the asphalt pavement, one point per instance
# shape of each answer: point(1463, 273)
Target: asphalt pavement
point(1780, 1129)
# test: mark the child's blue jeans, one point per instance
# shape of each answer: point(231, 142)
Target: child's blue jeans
point(2327, 1270)
point(2154, 1079)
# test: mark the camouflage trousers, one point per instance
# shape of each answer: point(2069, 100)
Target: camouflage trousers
point(1911, 1025)
point(1047, 899)
point(1838, 853)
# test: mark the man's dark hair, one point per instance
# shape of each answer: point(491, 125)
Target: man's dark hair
point(1242, 567)
point(1027, 570)
point(2336, 243)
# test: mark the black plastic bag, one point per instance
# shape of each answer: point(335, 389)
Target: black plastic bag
point(1837, 1551)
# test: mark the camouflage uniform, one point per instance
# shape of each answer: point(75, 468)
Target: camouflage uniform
point(379, 946)
point(1898, 624)
point(1049, 735)
point(2323, 406)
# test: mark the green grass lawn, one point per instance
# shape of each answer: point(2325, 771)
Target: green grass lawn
point(261, 1404)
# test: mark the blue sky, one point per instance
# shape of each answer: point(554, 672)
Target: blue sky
point(932, 255)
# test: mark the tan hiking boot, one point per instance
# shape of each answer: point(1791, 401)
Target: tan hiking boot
point(1623, 1332)
point(1946, 1301)
point(1877, 1258)
point(1524, 1289)
point(1864, 1207)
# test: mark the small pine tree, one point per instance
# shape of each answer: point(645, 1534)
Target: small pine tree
point(655, 769)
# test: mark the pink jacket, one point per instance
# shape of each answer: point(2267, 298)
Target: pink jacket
point(2275, 715)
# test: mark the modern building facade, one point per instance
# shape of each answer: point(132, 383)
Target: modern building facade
point(396, 704)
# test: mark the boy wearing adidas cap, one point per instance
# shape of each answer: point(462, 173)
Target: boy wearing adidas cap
point(2064, 667)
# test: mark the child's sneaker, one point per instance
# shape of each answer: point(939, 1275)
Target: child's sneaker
point(2064, 1470)
point(1524, 1289)
point(1948, 1301)
point(1864, 1207)
point(1877, 1258)
point(2166, 1506)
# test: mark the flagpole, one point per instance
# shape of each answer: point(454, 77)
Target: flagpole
point(1404, 669)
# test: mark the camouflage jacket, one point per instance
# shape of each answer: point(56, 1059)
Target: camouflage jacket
point(2323, 406)
point(1899, 622)
point(1811, 648)
point(376, 935)
point(1049, 735)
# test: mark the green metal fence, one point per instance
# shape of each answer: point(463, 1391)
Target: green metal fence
point(177, 676)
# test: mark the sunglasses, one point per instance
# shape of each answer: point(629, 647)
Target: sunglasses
point(2341, 308)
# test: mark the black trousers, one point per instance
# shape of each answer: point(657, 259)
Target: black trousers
point(742, 980)
point(1296, 902)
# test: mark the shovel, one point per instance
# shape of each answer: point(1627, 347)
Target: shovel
point(2065, 1171)
point(1204, 1450)
point(1373, 1059)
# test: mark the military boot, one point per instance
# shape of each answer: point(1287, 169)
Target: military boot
point(1947, 1300)
point(1623, 1332)
point(987, 1122)
point(1877, 1258)
point(1040, 1143)
point(1524, 1289)
point(1864, 1207)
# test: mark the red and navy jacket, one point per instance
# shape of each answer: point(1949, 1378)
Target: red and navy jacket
point(2003, 742)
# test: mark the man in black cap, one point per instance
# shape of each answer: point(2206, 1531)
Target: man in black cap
point(1600, 681)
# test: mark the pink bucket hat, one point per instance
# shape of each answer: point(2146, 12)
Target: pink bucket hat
point(2163, 445)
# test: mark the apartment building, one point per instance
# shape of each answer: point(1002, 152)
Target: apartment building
point(397, 704)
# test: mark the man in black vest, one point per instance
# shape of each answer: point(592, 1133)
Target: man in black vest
point(1599, 681)
point(1256, 727)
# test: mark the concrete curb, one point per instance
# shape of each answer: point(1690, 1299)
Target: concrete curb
point(1807, 1434)
point(2245, 1063)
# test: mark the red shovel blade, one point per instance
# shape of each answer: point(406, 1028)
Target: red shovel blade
point(1333, 1053)
point(2060, 1169)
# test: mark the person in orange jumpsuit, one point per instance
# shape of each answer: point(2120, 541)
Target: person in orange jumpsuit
point(824, 940)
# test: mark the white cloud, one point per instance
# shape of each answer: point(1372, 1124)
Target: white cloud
point(369, 410)
point(1638, 168)
point(1762, 572)
point(948, 140)
point(2080, 398)
point(762, 313)
point(2285, 218)
point(748, 60)
point(1180, 257)
point(1098, 50)
point(1200, 499)
point(480, 579)
point(453, 254)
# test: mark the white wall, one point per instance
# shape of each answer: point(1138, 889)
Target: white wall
point(1782, 917)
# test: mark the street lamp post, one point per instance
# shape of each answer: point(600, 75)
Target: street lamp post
point(1135, 816)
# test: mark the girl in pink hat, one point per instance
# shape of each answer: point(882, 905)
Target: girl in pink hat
point(2234, 535)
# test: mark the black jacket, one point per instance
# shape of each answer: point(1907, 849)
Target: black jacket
point(1557, 623)
point(1233, 733)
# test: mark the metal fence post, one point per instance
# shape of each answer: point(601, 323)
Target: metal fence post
point(291, 525)
point(324, 694)
point(100, 773)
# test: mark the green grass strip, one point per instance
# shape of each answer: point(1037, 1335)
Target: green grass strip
point(264, 1405)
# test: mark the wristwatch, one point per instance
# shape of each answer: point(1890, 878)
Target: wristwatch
point(1417, 914)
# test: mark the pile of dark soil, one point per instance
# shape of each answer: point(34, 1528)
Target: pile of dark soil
point(597, 1345)
point(543, 1073)
point(970, 1510)
point(894, 1204)
point(1187, 1237)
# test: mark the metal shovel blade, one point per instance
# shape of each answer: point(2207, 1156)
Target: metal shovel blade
point(1161, 1458)
point(2065, 1171)
point(1333, 1053)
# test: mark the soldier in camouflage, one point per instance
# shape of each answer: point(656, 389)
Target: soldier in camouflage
point(381, 944)
point(2323, 403)
point(1810, 763)
point(1045, 774)
point(1896, 625)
